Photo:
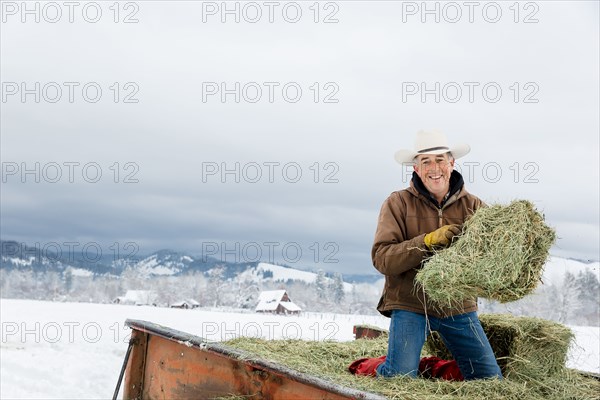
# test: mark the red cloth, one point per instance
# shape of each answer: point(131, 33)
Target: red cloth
point(435, 367)
point(429, 367)
point(366, 366)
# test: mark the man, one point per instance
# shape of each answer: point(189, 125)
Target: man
point(412, 223)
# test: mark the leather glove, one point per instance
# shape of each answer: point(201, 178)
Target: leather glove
point(441, 237)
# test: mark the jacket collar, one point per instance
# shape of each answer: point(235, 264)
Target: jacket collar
point(456, 184)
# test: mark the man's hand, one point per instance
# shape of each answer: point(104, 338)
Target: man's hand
point(441, 237)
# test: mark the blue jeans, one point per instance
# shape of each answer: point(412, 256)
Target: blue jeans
point(462, 334)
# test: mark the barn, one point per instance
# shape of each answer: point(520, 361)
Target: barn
point(185, 304)
point(276, 302)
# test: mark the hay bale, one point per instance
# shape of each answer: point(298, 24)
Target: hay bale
point(525, 347)
point(500, 255)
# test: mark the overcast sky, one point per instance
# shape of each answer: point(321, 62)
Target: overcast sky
point(239, 139)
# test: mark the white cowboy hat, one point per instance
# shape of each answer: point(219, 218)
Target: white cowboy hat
point(430, 142)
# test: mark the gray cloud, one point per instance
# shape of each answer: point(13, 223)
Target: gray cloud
point(546, 151)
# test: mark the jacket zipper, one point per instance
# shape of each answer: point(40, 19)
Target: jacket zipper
point(440, 209)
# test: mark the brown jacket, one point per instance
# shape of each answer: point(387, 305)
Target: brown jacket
point(398, 251)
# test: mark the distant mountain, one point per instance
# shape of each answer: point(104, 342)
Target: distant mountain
point(168, 262)
point(15, 255)
point(52, 258)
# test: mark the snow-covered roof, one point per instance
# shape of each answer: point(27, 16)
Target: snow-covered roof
point(288, 305)
point(190, 302)
point(269, 300)
point(271, 295)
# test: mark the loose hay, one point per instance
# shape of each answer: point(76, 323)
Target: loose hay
point(330, 360)
point(526, 348)
point(500, 256)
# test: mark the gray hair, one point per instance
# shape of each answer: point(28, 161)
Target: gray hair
point(448, 153)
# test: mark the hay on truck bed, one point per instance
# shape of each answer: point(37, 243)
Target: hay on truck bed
point(329, 360)
point(500, 255)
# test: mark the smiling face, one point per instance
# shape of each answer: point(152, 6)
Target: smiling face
point(434, 171)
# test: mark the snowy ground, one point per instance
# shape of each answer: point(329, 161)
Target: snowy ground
point(75, 350)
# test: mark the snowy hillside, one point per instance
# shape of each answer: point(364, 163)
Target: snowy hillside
point(157, 265)
point(284, 274)
point(556, 267)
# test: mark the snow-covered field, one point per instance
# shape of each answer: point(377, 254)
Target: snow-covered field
point(75, 350)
